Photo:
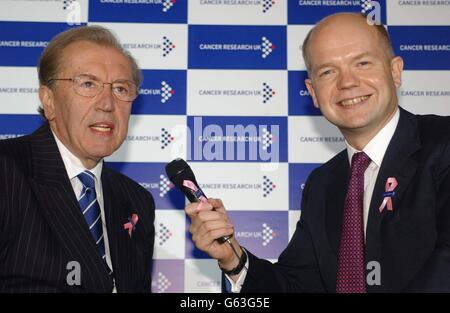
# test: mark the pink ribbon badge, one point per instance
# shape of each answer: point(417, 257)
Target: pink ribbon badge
point(131, 225)
point(391, 184)
point(193, 187)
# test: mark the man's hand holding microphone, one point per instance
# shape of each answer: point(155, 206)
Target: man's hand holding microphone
point(211, 229)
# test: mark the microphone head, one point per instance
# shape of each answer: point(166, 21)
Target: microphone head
point(178, 171)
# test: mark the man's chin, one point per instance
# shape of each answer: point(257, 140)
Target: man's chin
point(99, 154)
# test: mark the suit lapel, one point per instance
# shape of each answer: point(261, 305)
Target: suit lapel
point(334, 195)
point(122, 246)
point(400, 164)
point(335, 198)
point(59, 206)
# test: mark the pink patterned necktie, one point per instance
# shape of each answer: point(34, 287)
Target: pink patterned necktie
point(351, 276)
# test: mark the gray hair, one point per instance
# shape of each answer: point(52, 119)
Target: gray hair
point(51, 58)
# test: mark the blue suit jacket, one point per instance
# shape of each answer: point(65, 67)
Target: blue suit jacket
point(411, 243)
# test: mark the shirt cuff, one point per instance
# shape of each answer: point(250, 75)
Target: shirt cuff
point(235, 287)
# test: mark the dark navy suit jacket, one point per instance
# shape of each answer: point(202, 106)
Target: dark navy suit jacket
point(411, 243)
point(42, 228)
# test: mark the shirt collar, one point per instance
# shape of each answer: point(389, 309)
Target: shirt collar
point(73, 165)
point(377, 146)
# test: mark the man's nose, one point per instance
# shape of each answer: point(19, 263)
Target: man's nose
point(107, 98)
point(347, 79)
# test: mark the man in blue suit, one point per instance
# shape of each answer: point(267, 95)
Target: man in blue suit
point(376, 217)
point(67, 222)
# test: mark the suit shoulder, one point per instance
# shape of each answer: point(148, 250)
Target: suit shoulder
point(128, 182)
point(16, 152)
point(324, 169)
point(434, 128)
point(13, 146)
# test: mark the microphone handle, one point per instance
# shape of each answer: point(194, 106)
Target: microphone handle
point(195, 194)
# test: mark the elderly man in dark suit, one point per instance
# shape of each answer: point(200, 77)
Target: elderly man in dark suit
point(67, 222)
point(376, 217)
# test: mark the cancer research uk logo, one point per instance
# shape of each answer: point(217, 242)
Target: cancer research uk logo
point(149, 176)
point(267, 5)
point(266, 234)
point(162, 283)
point(166, 46)
point(167, 4)
point(237, 47)
point(165, 185)
point(264, 5)
point(265, 46)
point(164, 234)
point(267, 93)
point(166, 138)
point(266, 186)
point(168, 276)
point(165, 92)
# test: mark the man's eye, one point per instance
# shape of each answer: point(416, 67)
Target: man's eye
point(364, 63)
point(325, 73)
point(88, 84)
point(121, 89)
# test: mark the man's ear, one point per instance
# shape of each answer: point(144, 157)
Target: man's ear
point(47, 100)
point(397, 70)
point(309, 86)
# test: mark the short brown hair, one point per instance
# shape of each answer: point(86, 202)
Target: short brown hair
point(50, 60)
point(382, 32)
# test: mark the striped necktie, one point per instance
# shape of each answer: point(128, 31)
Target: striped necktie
point(91, 210)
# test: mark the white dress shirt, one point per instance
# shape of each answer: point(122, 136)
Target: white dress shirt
point(74, 167)
point(375, 150)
